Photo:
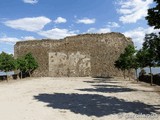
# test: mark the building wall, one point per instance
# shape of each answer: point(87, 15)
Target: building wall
point(82, 55)
point(69, 64)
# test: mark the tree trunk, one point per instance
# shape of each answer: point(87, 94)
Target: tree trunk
point(21, 75)
point(136, 75)
point(29, 73)
point(151, 75)
point(124, 74)
point(129, 74)
point(7, 76)
point(68, 72)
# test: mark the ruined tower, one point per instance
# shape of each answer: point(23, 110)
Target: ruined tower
point(76, 56)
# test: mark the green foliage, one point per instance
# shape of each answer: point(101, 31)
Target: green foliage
point(154, 45)
point(21, 64)
point(31, 63)
point(152, 41)
point(130, 56)
point(141, 58)
point(149, 55)
point(151, 45)
point(135, 63)
point(121, 63)
point(127, 60)
point(146, 59)
point(154, 15)
point(26, 64)
point(7, 62)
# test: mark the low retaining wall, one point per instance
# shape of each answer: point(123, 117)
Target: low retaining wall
point(147, 79)
point(11, 77)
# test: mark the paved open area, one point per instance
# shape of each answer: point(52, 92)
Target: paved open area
point(78, 99)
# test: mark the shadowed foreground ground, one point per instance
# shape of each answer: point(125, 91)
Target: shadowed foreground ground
point(77, 98)
point(97, 105)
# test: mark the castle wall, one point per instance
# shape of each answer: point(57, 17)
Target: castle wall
point(39, 51)
point(69, 64)
point(82, 55)
point(106, 51)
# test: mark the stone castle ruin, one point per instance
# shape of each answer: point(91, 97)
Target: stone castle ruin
point(76, 56)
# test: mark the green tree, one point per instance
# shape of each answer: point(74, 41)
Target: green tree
point(21, 65)
point(150, 49)
point(31, 63)
point(135, 65)
point(146, 60)
point(158, 50)
point(7, 63)
point(120, 64)
point(153, 17)
point(152, 43)
point(141, 58)
point(129, 53)
point(126, 61)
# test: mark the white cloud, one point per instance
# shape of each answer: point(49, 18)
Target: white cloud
point(30, 1)
point(7, 43)
point(101, 30)
point(138, 35)
point(9, 39)
point(12, 40)
point(86, 21)
point(113, 25)
point(28, 38)
point(60, 20)
point(57, 33)
point(133, 10)
point(28, 24)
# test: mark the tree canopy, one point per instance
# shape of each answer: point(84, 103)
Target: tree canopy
point(21, 64)
point(7, 62)
point(126, 60)
point(148, 56)
point(25, 64)
point(31, 63)
point(153, 17)
point(152, 45)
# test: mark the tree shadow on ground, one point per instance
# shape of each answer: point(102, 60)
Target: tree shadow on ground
point(103, 77)
point(102, 80)
point(107, 89)
point(93, 104)
point(106, 85)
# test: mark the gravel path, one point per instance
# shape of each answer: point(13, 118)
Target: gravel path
point(78, 99)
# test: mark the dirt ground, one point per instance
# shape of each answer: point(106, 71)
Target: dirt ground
point(78, 99)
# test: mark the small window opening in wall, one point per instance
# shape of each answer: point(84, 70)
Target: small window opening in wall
point(51, 56)
point(52, 61)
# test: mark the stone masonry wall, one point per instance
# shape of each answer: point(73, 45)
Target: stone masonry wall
point(81, 55)
point(69, 64)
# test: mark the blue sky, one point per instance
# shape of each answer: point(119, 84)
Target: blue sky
point(38, 19)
